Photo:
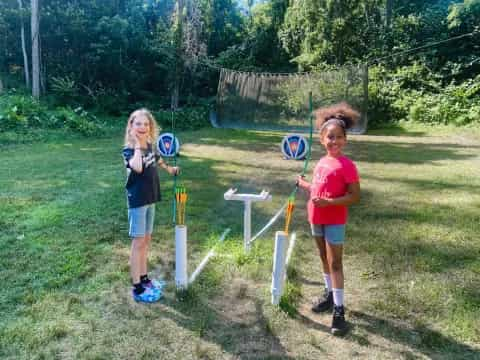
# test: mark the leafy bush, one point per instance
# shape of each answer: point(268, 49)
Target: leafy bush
point(185, 119)
point(21, 113)
point(64, 87)
point(78, 120)
point(454, 105)
point(414, 93)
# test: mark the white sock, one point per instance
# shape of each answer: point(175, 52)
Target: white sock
point(328, 281)
point(338, 297)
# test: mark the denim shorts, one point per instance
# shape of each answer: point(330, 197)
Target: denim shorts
point(334, 234)
point(140, 220)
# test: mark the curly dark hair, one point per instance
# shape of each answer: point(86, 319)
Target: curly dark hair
point(342, 112)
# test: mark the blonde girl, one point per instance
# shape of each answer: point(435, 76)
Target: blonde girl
point(143, 191)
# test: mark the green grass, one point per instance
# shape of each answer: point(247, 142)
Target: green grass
point(412, 258)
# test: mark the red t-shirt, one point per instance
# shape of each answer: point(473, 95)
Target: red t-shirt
point(330, 179)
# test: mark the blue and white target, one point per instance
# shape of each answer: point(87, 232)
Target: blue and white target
point(294, 146)
point(168, 145)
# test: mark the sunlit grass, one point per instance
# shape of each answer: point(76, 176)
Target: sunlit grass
point(411, 258)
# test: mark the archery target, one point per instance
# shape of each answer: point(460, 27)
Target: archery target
point(168, 145)
point(294, 146)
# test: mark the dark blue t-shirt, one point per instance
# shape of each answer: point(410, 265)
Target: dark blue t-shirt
point(142, 188)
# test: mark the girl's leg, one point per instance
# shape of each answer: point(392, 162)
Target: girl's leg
point(325, 302)
point(320, 241)
point(144, 255)
point(149, 219)
point(334, 255)
point(136, 258)
point(335, 261)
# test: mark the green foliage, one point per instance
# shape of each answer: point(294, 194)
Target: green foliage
point(78, 120)
point(414, 93)
point(106, 56)
point(290, 298)
point(64, 87)
point(464, 15)
point(21, 113)
point(186, 118)
point(330, 31)
point(223, 24)
point(455, 105)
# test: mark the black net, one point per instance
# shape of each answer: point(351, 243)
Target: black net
point(264, 101)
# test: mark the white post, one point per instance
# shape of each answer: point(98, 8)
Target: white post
point(247, 228)
point(291, 245)
point(181, 277)
point(278, 274)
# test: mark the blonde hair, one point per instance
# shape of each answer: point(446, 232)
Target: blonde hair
point(342, 114)
point(154, 129)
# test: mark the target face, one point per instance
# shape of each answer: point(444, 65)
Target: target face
point(294, 146)
point(168, 145)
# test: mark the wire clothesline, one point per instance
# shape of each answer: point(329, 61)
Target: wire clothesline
point(426, 46)
point(368, 62)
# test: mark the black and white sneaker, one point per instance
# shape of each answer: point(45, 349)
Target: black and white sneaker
point(339, 325)
point(324, 303)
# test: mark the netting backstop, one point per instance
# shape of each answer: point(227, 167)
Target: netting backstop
point(265, 101)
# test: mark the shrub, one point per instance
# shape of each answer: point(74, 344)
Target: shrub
point(413, 93)
point(78, 120)
point(21, 113)
point(185, 119)
point(64, 88)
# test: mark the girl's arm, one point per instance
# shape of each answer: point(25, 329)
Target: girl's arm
point(351, 197)
point(136, 162)
point(303, 184)
point(172, 170)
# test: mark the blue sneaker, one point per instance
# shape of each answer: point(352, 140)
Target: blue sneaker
point(155, 284)
point(148, 296)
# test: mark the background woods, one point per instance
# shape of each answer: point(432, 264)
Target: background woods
point(111, 56)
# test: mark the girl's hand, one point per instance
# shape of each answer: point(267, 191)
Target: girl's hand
point(320, 202)
point(301, 182)
point(140, 140)
point(136, 139)
point(173, 170)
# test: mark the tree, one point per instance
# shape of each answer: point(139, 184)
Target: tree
point(24, 47)
point(388, 13)
point(224, 25)
point(262, 42)
point(331, 31)
point(35, 29)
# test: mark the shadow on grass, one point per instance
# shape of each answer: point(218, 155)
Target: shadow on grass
point(420, 338)
point(304, 280)
point(407, 153)
point(427, 185)
point(360, 150)
point(251, 337)
point(394, 130)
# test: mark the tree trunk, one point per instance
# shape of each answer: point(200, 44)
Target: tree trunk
point(35, 19)
point(24, 47)
point(388, 13)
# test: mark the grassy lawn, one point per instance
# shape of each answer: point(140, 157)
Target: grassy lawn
point(412, 258)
